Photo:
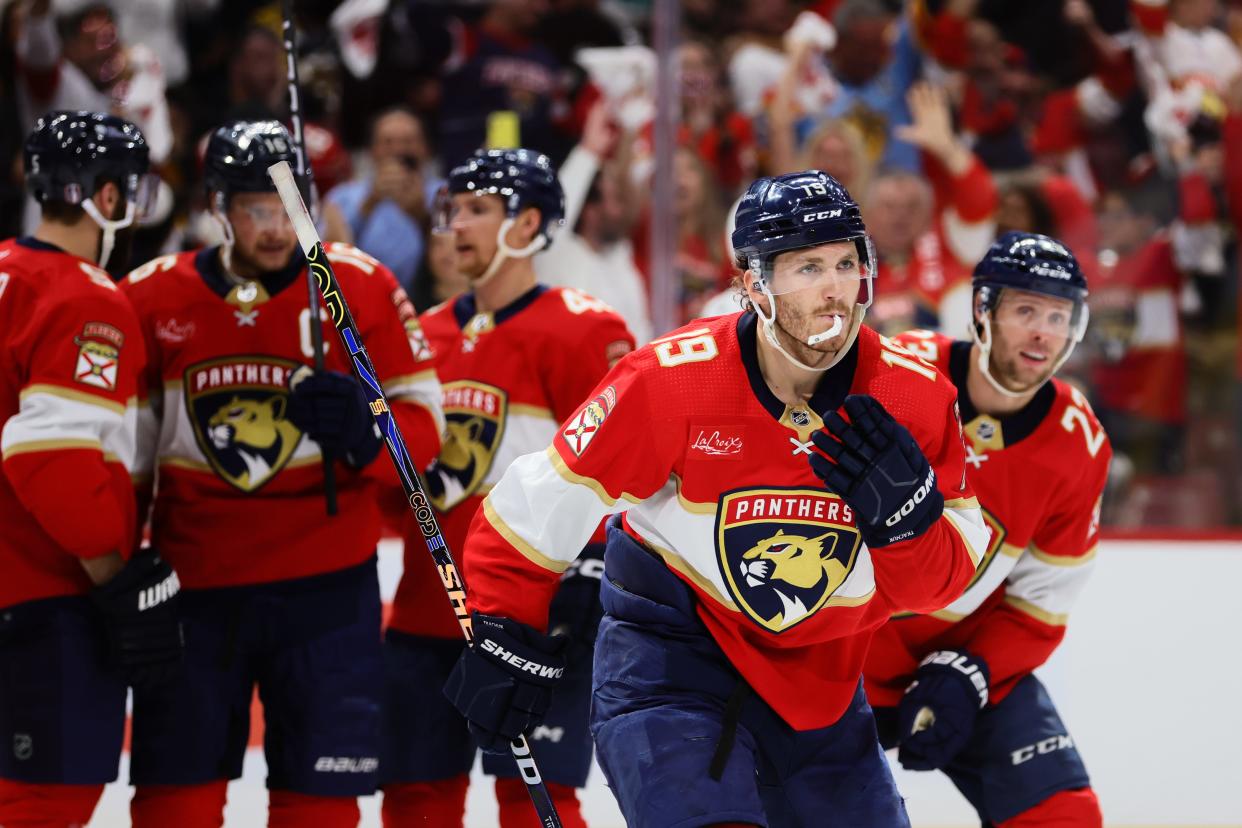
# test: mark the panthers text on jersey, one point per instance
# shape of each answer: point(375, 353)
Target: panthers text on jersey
point(509, 379)
point(73, 358)
point(1039, 475)
point(239, 497)
point(710, 470)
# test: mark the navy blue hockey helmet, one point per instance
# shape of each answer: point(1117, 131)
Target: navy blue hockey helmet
point(521, 177)
point(796, 210)
point(238, 155)
point(1033, 263)
point(68, 156)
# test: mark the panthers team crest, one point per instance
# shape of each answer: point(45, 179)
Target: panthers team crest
point(475, 415)
point(237, 406)
point(784, 552)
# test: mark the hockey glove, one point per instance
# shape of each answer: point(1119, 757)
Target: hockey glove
point(331, 409)
point(879, 470)
point(139, 606)
point(576, 610)
point(937, 715)
point(503, 683)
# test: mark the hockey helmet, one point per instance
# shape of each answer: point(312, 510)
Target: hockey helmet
point(521, 177)
point(68, 156)
point(238, 155)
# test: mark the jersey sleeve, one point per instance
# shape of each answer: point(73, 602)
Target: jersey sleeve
point(928, 572)
point(69, 450)
point(402, 358)
point(1024, 628)
point(547, 505)
point(603, 338)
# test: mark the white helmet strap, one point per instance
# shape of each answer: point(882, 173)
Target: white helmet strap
point(504, 251)
point(109, 227)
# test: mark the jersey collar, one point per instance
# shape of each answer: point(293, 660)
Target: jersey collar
point(998, 431)
point(829, 394)
point(32, 243)
point(207, 263)
point(465, 308)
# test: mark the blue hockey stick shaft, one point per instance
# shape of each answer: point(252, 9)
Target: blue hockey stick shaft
point(343, 321)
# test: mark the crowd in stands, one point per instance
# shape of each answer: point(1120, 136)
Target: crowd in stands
point(1114, 125)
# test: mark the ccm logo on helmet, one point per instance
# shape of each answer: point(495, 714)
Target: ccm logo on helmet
point(825, 214)
point(918, 497)
point(517, 661)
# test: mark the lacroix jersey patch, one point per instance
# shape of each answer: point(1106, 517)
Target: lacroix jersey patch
point(99, 348)
point(584, 425)
point(475, 421)
point(784, 552)
point(237, 406)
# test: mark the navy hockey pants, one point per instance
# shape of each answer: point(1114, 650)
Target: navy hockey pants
point(1020, 754)
point(661, 690)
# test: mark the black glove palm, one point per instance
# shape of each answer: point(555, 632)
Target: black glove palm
point(877, 468)
point(937, 715)
point(139, 606)
point(331, 409)
point(503, 683)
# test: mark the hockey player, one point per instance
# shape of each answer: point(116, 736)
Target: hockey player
point(785, 480)
point(73, 357)
point(953, 689)
point(277, 594)
point(515, 358)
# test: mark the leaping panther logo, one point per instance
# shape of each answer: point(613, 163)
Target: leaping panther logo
point(784, 552)
point(238, 409)
point(475, 422)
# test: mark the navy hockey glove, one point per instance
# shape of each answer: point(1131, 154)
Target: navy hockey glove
point(331, 409)
point(139, 606)
point(576, 610)
point(879, 470)
point(937, 715)
point(503, 683)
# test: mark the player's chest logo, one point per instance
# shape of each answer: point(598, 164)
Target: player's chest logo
point(237, 406)
point(475, 414)
point(784, 552)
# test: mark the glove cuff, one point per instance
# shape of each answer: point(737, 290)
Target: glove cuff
point(970, 671)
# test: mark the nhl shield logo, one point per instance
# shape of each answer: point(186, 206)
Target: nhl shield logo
point(784, 552)
point(237, 406)
point(475, 415)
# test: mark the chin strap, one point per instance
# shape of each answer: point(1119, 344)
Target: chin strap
point(226, 246)
point(504, 251)
point(109, 227)
point(769, 332)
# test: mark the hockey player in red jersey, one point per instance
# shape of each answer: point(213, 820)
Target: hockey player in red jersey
point(277, 593)
point(515, 358)
point(73, 358)
point(953, 689)
point(782, 480)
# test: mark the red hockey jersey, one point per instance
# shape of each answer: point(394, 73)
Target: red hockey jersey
point(509, 378)
point(1039, 475)
point(711, 471)
point(73, 357)
point(239, 497)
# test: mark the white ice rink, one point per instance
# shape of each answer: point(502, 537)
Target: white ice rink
point(1149, 681)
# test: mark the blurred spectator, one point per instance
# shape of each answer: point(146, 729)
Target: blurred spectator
point(874, 62)
point(1139, 379)
point(438, 278)
point(929, 237)
point(701, 263)
point(385, 213)
point(593, 251)
point(723, 137)
point(758, 54)
point(78, 61)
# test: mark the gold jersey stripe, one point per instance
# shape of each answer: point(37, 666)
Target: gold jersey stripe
point(49, 445)
point(570, 476)
point(529, 552)
point(1054, 619)
point(76, 396)
point(1064, 560)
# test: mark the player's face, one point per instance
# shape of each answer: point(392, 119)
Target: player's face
point(812, 287)
point(1030, 331)
point(474, 222)
point(263, 236)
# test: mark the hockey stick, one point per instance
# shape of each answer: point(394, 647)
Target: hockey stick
point(454, 587)
point(306, 178)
